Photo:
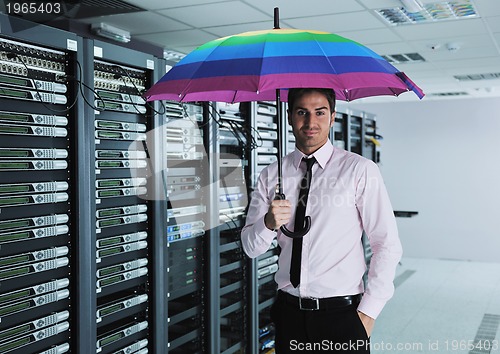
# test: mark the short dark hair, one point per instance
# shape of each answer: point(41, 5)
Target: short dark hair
point(295, 93)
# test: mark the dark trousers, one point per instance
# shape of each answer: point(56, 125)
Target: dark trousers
point(337, 330)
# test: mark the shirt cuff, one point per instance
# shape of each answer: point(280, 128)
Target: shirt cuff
point(262, 231)
point(371, 306)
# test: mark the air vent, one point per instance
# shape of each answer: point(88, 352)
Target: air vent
point(477, 77)
point(448, 94)
point(94, 8)
point(404, 58)
point(485, 334)
point(432, 12)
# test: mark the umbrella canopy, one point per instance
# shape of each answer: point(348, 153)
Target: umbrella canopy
point(250, 67)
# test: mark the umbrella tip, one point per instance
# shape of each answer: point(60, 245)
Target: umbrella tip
point(276, 17)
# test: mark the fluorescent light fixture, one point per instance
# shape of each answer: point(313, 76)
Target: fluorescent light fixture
point(404, 58)
point(107, 31)
point(429, 12)
point(172, 55)
point(412, 5)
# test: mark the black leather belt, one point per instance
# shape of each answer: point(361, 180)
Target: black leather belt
point(312, 304)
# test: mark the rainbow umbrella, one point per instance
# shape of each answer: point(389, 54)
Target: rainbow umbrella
point(250, 67)
point(262, 65)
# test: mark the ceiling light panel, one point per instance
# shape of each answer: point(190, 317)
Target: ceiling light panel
point(431, 12)
point(404, 58)
point(477, 77)
point(449, 94)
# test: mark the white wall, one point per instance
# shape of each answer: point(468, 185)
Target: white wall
point(442, 159)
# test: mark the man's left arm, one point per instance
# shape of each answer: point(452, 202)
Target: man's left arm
point(379, 224)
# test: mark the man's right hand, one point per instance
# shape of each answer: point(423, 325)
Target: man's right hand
point(279, 213)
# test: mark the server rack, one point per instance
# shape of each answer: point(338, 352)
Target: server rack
point(263, 288)
point(187, 185)
point(124, 196)
point(234, 144)
point(370, 137)
point(337, 132)
point(354, 132)
point(39, 188)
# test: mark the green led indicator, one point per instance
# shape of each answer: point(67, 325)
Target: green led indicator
point(13, 260)
point(5, 225)
point(109, 183)
point(111, 222)
point(14, 236)
point(109, 241)
point(14, 331)
point(14, 296)
point(15, 308)
point(14, 200)
point(13, 130)
point(15, 117)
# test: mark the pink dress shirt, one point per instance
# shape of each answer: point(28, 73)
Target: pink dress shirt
point(347, 195)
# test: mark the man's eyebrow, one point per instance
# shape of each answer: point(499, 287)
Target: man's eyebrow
point(316, 109)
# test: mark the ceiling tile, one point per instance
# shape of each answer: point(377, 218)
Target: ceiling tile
point(392, 48)
point(487, 8)
point(415, 67)
point(183, 49)
point(379, 4)
point(301, 8)
point(178, 38)
point(162, 4)
point(140, 22)
point(496, 36)
point(465, 42)
point(424, 72)
point(462, 53)
point(373, 36)
point(334, 23)
point(493, 23)
point(480, 63)
point(223, 31)
point(441, 29)
point(217, 14)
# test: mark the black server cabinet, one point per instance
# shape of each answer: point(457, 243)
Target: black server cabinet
point(263, 287)
point(187, 184)
point(125, 197)
point(338, 136)
point(233, 147)
point(371, 138)
point(354, 133)
point(39, 186)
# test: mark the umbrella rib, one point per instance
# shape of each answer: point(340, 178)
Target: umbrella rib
point(193, 74)
point(331, 65)
point(262, 63)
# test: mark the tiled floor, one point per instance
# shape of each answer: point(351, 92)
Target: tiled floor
point(439, 306)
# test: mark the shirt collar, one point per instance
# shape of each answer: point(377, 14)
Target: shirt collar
point(322, 155)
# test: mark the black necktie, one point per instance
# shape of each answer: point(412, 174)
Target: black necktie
point(300, 214)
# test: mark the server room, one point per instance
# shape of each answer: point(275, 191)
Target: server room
point(153, 197)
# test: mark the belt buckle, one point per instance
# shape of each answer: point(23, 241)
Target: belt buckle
point(316, 302)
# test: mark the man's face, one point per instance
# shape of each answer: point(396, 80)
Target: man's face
point(311, 121)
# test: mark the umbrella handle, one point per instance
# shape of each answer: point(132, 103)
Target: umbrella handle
point(297, 233)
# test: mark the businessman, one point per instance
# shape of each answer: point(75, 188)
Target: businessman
point(322, 304)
